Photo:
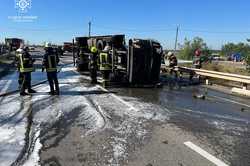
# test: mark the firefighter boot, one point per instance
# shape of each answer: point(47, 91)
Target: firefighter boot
point(31, 91)
point(23, 94)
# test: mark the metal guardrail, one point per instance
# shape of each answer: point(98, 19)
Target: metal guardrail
point(244, 80)
point(219, 75)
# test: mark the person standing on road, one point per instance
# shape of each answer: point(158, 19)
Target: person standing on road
point(173, 62)
point(197, 63)
point(50, 63)
point(93, 65)
point(197, 59)
point(25, 67)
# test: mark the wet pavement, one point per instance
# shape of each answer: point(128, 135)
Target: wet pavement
point(220, 121)
point(90, 125)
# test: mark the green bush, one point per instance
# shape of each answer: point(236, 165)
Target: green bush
point(190, 46)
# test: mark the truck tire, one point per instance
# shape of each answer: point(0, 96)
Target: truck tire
point(100, 45)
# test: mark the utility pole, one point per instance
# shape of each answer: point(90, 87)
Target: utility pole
point(176, 39)
point(89, 28)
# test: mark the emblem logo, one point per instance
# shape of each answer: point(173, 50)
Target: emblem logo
point(23, 5)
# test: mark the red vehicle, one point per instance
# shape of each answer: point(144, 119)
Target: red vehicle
point(13, 43)
point(67, 46)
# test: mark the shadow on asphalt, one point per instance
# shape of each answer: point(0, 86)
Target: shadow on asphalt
point(75, 93)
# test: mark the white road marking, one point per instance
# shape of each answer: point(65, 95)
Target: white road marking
point(231, 101)
point(119, 98)
point(105, 90)
point(205, 154)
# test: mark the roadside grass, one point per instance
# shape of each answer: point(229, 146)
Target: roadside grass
point(226, 68)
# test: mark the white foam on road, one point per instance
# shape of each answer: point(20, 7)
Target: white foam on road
point(6, 83)
point(11, 143)
point(12, 129)
point(34, 158)
point(5, 88)
point(130, 107)
point(205, 154)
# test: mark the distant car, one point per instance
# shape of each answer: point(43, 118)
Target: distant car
point(67, 47)
point(217, 58)
point(32, 48)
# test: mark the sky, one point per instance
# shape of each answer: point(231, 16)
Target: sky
point(216, 21)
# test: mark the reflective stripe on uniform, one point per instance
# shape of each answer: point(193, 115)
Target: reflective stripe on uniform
point(51, 68)
point(21, 62)
point(104, 64)
point(22, 68)
point(26, 70)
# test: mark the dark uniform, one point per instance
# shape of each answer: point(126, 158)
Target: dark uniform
point(25, 67)
point(50, 62)
point(197, 59)
point(197, 62)
point(173, 62)
point(93, 66)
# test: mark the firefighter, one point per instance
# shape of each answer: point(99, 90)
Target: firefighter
point(20, 77)
point(105, 66)
point(93, 65)
point(197, 63)
point(173, 62)
point(50, 62)
point(25, 67)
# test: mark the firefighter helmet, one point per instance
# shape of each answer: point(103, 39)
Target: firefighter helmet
point(198, 52)
point(170, 53)
point(47, 45)
point(94, 50)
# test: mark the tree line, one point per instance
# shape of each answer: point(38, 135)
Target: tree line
point(188, 48)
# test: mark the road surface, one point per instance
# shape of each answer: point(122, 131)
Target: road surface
point(89, 125)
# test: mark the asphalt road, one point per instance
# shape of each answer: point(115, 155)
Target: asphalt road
point(89, 125)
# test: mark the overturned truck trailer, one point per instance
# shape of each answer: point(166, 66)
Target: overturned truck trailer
point(144, 61)
point(135, 64)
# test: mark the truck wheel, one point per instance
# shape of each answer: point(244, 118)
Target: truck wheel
point(100, 45)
